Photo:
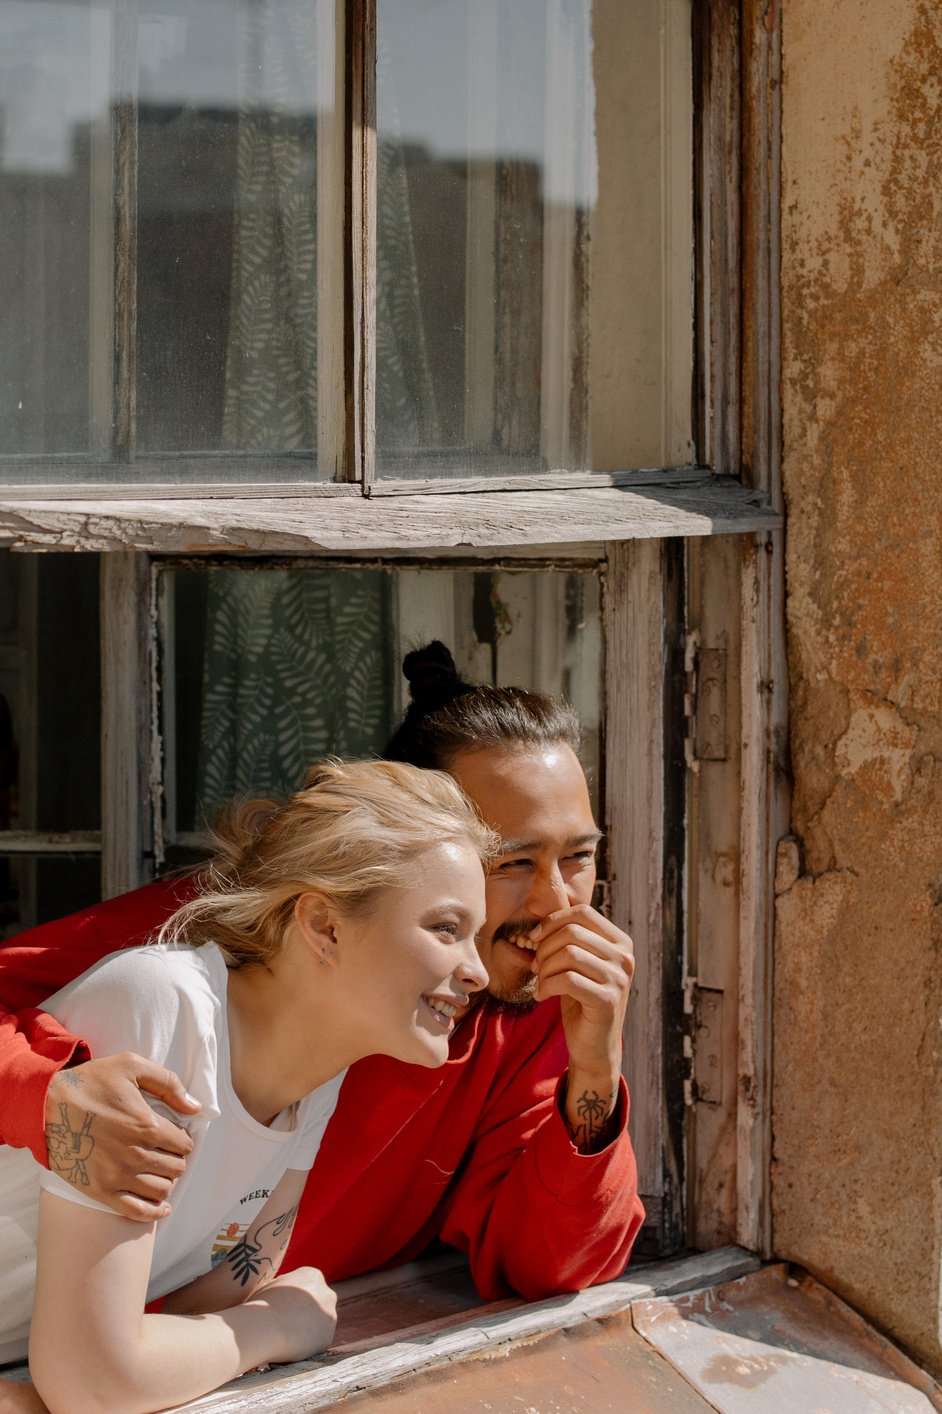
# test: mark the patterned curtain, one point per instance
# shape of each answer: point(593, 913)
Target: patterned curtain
point(271, 371)
point(406, 413)
point(297, 666)
point(299, 663)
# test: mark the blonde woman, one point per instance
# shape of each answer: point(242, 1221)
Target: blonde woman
point(338, 924)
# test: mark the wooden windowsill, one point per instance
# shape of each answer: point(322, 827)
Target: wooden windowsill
point(411, 523)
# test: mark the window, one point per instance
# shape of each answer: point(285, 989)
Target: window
point(425, 314)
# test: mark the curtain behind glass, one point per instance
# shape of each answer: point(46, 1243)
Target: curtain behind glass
point(297, 666)
point(271, 365)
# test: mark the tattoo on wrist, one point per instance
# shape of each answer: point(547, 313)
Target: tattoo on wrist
point(69, 1149)
point(595, 1124)
point(246, 1259)
point(71, 1078)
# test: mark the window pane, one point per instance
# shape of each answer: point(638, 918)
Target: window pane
point(168, 187)
point(227, 237)
point(534, 298)
point(55, 198)
point(271, 669)
point(50, 691)
point(37, 889)
point(49, 728)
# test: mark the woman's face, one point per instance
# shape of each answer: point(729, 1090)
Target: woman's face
point(411, 967)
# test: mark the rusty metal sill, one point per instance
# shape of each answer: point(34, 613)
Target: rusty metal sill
point(395, 1325)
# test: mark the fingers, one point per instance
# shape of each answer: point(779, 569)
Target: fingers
point(160, 1139)
point(581, 939)
point(164, 1085)
point(139, 1210)
point(585, 957)
point(593, 927)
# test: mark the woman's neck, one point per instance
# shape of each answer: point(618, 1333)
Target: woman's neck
point(282, 1040)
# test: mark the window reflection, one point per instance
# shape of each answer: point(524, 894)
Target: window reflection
point(200, 123)
point(534, 236)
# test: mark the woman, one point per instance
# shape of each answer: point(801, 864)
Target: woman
point(336, 925)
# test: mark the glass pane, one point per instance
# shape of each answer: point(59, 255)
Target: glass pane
point(50, 697)
point(201, 139)
point(534, 236)
point(55, 199)
point(269, 670)
point(36, 889)
point(229, 92)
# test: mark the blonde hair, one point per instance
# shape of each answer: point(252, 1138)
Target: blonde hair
point(353, 831)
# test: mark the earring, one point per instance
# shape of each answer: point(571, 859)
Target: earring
point(323, 956)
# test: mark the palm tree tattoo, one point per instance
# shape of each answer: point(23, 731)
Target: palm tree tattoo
point(246, 1259)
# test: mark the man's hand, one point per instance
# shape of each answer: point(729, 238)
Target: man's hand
point(105, 1139)
point(588, 963)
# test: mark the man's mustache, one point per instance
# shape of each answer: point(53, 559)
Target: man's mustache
point(513, 928)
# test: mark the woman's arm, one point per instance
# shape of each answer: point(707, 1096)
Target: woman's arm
point(94, 1351)
point(253, 1261)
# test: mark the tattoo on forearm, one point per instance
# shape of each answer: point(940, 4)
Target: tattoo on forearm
point(246, 1259)
point(596, 1121)
point(69, 1149)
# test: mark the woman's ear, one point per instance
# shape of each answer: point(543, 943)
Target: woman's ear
point(315, 916)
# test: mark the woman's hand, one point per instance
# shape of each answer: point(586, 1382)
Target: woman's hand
point(304, 1308)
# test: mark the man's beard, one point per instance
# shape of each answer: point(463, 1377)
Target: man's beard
point(518, 1000)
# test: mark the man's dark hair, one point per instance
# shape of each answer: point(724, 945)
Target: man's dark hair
point(448, 715)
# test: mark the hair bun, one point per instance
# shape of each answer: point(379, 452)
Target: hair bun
point(432, 676)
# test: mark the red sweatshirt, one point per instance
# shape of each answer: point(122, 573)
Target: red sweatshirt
point(475, 1153)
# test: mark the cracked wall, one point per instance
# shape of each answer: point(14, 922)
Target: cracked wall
point(857, 1181)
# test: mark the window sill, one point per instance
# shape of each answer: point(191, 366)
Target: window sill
point(419, 523)
point(382, 1335)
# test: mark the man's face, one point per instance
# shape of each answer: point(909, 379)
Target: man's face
point(538, 802)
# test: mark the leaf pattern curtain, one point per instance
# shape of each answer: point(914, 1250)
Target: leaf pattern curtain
point(299, 663)
point(297, 666)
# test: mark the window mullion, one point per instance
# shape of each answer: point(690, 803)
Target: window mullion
point(125, 137)
point(362, 239)
point(330, 90)
point(127, 659)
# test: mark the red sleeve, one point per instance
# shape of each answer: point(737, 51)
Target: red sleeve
point(535, 1216)
point(34, 965)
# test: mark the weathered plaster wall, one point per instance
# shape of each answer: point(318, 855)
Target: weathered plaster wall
point(858, 995)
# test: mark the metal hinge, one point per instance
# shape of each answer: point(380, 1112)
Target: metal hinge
point(704, 702)
point(703, 1044)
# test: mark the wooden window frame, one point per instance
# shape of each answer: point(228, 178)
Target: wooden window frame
point(694, 578)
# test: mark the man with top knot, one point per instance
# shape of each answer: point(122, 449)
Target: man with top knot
point(516, 1151)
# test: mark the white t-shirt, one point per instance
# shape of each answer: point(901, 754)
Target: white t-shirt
point(169, 1004)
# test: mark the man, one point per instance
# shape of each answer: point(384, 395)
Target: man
point(516, 1151)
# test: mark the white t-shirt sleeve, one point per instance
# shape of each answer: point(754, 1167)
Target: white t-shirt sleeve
point(158, 1004)
point(314, 1112)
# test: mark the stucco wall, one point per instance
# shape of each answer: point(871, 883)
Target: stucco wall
point(858, 993)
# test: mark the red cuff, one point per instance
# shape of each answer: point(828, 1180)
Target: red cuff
point(25, 1126)
point(574, 1177)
